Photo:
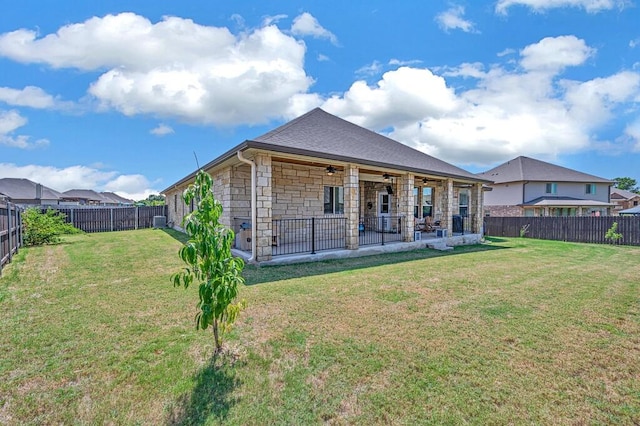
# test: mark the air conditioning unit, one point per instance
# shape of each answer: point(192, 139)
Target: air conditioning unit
point(442, 233)
point(159, 222)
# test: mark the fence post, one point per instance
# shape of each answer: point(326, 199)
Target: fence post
point(72, 220)
point(9, 229)
point(137, 217)
point(313, 235)
point(111, 213)
point(384, 225)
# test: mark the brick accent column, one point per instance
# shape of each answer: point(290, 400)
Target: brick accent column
point(405, 205)
point(477, 208)
point(264, 204)
point(447, 206)
point(351, 185)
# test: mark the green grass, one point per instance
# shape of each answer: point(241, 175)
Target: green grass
point(517, 331)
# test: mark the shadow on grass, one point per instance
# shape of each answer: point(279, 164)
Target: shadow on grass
point(176, 235)
point(210, 399)
point(264, 274)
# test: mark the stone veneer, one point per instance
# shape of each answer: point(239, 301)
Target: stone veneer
point(503, 211)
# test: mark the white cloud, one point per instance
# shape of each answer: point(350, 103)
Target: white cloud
point(368, 70)
point(10, 121)
point(30, 96)
point(524, 110)
point(135, 187)
point(322, 58)
point(591, 6)
point(162, 130)
point(307, 25)
point(453, 19)
point(555, 53)
point(634, 43)
point(175, 67)
point(505, 52)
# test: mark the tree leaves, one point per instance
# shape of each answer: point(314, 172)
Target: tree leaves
point(210, 261)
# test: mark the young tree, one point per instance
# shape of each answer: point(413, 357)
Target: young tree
point(626, 183)
point(209, 261)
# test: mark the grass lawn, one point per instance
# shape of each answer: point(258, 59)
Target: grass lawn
point(517, 331)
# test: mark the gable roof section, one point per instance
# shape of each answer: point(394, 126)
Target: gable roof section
point(25, 189)
point(528, 169)
point(623, 194)
point(84, 194)
point(633, 210)
point(112, 197)
point(322, 135)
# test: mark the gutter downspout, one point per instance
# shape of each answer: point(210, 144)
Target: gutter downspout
point(254, 210)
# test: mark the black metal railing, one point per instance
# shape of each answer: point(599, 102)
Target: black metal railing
point(461, 224)
point(380, 230)
point(291, 236)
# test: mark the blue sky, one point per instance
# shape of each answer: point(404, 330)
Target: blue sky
point(118, 96)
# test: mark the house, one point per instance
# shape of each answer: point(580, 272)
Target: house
point(319, 182)
point(113, 199)
point(25, 192)
point(528, 187)
point(624, 199)
point(82, 197)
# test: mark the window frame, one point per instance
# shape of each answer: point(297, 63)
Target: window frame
point(551, 188)
point(335, 205)
point(590, 189)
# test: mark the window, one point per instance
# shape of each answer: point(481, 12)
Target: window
point(463, 203)
point(590, 188)
point(427, 201)
point(551, 188)
point(333, 200)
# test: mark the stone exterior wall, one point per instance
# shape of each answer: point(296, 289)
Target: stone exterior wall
point(503, 211)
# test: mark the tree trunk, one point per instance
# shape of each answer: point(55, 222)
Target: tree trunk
point(216, 336)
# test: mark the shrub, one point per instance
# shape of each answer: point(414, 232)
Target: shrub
point(613, 234)
point(45, 227)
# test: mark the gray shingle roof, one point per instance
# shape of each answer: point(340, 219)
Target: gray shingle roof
point(566, 202)
point(528, 169)
point(85, 194)
point(322, 135)
point(24, 189)
point(623, 194)
point(633, 210)
point(112, 197)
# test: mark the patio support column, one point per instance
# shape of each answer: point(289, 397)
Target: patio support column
point(351, 185)
point(405, 208)
point(446, 221)
point(476, 208)
point(264, 220)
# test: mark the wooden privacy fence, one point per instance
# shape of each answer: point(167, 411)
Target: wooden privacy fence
point(106, 219)
point(10, 232)
point(580, 229)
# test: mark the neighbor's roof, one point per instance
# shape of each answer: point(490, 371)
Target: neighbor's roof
point(112, 197)
point(633, 210)
point(623, 193)
point(84, 194)
point(565, 202)
point(24, 189)
point(322, 135)
point(528, 169)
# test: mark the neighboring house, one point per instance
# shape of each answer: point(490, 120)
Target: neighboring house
point(82, 197)
point(113, 199)
point(624, 199)
point(322, 167)
point(28, 193)
point(528, 187)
